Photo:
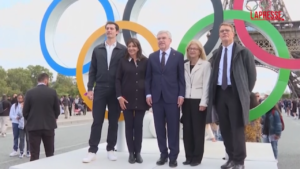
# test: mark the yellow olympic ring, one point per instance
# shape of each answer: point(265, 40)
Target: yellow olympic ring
point(132, 26)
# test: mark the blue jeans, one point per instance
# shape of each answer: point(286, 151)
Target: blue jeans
point(15, 128)
point(274, 144)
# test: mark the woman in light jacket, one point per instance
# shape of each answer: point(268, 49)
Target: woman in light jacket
point(197, 73)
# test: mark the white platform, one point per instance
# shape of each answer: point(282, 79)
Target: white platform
point(260, 156)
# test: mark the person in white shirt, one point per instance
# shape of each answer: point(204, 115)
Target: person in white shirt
point(13, 114)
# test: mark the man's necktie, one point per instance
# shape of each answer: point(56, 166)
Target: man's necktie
point(224, 74)
point(163, 60)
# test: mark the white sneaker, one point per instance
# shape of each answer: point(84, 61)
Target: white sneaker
point(21, 155)
point(111, 156)
point(28, 155)
point(13, 154)
point(89, 158)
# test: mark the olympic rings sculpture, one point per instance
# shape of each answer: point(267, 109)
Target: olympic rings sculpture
point(210, 22)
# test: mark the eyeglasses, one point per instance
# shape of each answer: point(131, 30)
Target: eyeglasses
point(193, 49)
point(224, 31)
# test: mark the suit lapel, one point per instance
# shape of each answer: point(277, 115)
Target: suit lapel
point(196, 67)
point(172, 54)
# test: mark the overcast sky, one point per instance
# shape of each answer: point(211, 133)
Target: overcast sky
point(21, 19)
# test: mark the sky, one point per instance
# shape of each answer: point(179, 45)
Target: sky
point(21, 19)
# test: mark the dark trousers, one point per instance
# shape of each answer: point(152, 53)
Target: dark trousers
point(15, 128)
point(70, 109)
point(229, 109)
point(134, 129)
point(35, 138)
point(194, 122)
point(167, 113)
point(23, 134)
point(103, 97)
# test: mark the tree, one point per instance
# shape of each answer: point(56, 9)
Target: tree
point(36, 70)
point(19, 79)
point(65, 86)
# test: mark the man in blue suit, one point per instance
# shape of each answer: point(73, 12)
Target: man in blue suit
point(165, 90)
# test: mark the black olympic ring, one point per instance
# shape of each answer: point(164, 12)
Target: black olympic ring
point(133, 8)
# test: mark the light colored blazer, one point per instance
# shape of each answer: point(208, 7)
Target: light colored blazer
point(197, 81)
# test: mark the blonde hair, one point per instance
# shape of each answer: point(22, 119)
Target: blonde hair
point(199, 45)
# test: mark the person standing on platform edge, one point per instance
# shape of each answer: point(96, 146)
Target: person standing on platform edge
point(102, 77)
point(232, 79)
point(130, 88)
point(197, 74)
point(40, 111)
point(165, 91)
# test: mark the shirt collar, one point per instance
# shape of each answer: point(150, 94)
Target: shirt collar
point(168, 51)
point(229, 47)
point(41, 84)
point(129, 59)
point(114, 44)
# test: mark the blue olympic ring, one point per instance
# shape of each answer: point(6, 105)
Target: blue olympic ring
point(54, 12)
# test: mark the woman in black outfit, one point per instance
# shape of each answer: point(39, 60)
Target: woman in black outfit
point(130, 89)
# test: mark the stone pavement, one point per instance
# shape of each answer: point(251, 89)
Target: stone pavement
point(73, 120)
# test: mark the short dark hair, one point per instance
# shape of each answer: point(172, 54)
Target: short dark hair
point(112, 23)
point(42, 77)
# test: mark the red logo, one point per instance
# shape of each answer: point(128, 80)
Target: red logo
point(266, 12)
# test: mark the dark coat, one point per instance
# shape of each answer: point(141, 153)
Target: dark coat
point(6, 107)
point(243, 74)
point(41, 108)
point(100, 73)
point(130, 83)
point(168, 83)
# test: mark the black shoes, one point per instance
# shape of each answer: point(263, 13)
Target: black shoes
point(232, 165)
point(131, 158)
point(191, 163)
point(138, 158)
point(161, 161)
point(173, 164)
point(187, 162)
point(135, 158)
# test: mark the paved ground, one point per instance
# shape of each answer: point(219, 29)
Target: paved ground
point(75, 136)
point(288, 145)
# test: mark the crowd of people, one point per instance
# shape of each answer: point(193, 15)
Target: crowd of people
point(13, 113)
point(205, 96)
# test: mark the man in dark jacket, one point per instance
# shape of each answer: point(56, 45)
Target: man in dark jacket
point(4, 115)
point(102, 75)
point(41, 110)
point(232, 79)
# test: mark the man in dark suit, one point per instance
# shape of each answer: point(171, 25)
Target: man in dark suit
point(104, 64)
point(233, 77)
point(165, 90)
point(40, 111)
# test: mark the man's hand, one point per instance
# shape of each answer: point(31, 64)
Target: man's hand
point(122, 102)
point(276, 137)
point(90, 95)
point(180, 101)
point(202, 108)
point(149, 101)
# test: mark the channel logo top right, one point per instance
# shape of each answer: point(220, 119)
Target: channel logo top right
point(262, 10)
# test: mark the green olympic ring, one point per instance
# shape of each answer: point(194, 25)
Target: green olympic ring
point(271, 33)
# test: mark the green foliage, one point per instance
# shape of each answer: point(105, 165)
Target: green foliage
point(19, 80)
point(65, 86)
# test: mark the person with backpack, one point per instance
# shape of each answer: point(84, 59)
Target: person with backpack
point(273, 125)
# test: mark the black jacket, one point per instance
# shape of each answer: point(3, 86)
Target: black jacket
point(41, 108)
point(99, 73)
point(130, 83)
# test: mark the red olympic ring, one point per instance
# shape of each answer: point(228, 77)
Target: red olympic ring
point(260, 54)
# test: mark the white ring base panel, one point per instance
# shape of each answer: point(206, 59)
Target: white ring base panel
point(259, 156)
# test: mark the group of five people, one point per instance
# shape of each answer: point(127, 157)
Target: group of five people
point(121, 78)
